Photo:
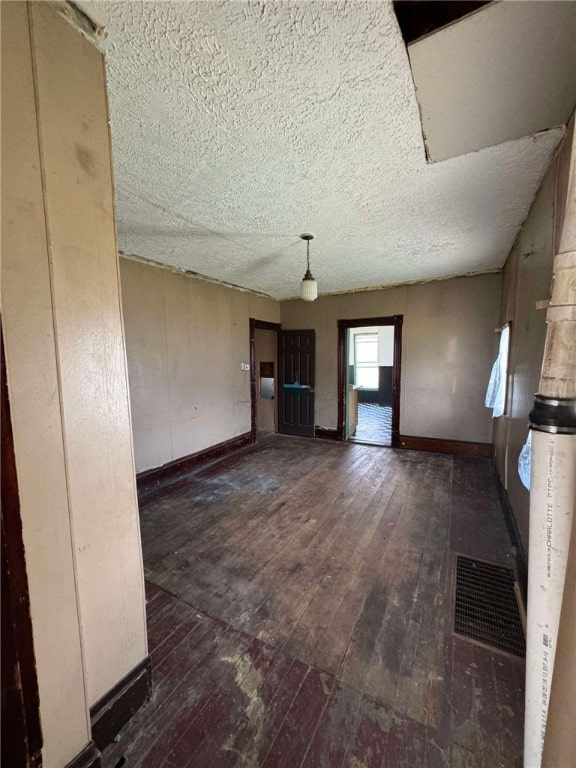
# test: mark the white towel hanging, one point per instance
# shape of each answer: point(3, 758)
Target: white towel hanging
point(496, 392)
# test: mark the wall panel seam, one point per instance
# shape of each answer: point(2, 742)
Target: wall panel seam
point(166, 367)
point(124, 350)
point(30, 9)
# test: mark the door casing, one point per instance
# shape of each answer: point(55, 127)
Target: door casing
point(343, 326)
point(21, 728)
point(265, 326)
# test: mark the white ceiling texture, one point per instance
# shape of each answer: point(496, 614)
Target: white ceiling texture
point(236, 126)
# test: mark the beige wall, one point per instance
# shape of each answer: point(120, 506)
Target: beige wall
point(37, 424)
point(527, 279)
point(447, 351)
point(66, 372)
point(186, 340)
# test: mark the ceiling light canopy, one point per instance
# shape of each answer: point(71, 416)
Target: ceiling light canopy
point(308, 286)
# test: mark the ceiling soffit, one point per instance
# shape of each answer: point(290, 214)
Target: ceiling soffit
point(504, 72)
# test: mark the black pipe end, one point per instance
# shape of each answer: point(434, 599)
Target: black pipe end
point(554, 414)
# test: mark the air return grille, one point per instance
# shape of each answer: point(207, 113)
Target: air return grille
point(486, 608)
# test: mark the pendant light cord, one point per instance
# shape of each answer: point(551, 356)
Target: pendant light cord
point(308, 286)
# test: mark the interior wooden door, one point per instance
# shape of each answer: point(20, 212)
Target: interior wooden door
point(296, 368)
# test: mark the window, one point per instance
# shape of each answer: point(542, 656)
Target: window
point(366, 360)
point(496, 395)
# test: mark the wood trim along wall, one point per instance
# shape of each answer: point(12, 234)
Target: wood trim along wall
point(151, 481)
point(263, 325)
point(111, 713)
point(88, 758)
point(396, 380)
point(343, 326)
point(20, 695)
point(435, 445)
point(325, 433)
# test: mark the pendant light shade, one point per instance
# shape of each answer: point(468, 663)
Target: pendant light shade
point(308, 286)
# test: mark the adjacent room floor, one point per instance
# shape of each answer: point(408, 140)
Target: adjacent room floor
point(374, 424)
point(300, 614)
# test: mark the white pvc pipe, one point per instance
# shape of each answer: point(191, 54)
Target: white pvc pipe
point(552, 510)
point(552, 500)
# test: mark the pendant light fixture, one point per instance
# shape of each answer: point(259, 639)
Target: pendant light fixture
point(308, 286)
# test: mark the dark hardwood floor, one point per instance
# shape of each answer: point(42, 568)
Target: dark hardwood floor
point(300, 614)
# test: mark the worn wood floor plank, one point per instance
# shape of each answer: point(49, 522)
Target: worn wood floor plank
point(299, 602)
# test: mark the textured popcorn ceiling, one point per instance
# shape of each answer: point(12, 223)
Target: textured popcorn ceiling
point(236, 126)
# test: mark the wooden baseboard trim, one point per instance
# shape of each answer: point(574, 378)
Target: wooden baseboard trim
point(326, 433)
point(88, 758)
point(515, 538)
point(150, 479)
point(434, 445)
point(111, 713)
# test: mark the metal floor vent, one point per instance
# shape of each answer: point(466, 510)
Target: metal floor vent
point(486, 608)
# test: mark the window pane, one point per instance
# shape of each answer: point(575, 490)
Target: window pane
point(367, 377)
point(367, 349)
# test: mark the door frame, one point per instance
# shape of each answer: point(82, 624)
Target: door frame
point(21, 715)
point(263, 325)
point(360, 322)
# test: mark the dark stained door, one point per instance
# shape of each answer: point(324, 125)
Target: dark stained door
point(296, 363)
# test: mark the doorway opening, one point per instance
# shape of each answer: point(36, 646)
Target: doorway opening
point(369, 358)
point(263, 377)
